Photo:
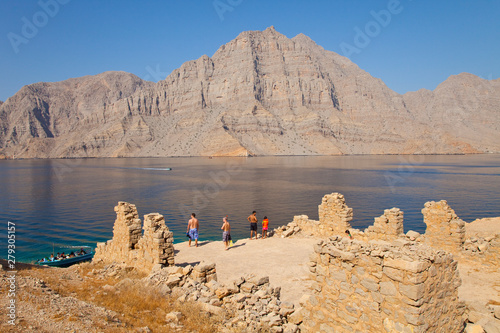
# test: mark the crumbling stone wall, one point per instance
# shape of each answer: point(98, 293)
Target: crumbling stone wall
point(387, 227)
point(380, 287)
point(444, 229)
point(334, 214)
point(130, 247)
point(156, 246)
point(126, 234)
point(334, 218)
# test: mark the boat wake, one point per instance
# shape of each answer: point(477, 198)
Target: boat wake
point(155, 169)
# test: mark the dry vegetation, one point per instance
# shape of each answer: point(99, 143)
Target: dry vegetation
point(134, 307)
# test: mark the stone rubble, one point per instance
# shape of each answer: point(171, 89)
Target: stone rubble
point(479, 245)
point(483, 318)
point(248, 303)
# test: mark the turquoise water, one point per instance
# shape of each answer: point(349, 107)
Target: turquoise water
point(65, 203)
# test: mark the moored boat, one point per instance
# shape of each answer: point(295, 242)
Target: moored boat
point(66, 261)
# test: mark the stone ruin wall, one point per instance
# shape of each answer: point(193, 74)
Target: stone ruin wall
point(387, 227)
point(334, 218)
point(334, 214)
point(384, 280)
point(129, 246)
point(445, 230)
point(156, 245)
point(126, 232)
point(377, 287)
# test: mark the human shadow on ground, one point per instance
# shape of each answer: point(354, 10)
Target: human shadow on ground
point(202, 243)
point(184, 264)
point(235, 246)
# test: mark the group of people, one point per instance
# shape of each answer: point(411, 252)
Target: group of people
point(253, 225)
point(61, 256)
point(193, 225)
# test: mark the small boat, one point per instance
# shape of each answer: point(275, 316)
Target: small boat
point(67, 261)
point(157, 169)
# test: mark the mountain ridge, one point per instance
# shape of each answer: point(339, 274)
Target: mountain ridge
point(261, 93)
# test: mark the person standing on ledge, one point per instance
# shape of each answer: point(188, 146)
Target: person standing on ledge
point(265, 226)
point(192, 229)
point(226, 232)
point(253, 224)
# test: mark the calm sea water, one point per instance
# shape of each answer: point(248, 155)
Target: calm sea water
point(64, 203)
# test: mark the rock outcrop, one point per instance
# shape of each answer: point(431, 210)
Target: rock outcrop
point(261, 94)
point(154, 249)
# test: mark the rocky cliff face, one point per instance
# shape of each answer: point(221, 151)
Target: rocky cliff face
point(263, 94)
point(67, 118)
point(463, 112)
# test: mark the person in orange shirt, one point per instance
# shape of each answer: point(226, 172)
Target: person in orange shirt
point(265, 226)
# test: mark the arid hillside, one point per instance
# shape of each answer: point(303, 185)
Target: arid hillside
point(260, 94)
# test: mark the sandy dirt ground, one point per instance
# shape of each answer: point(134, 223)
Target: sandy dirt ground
point(481, 275)
point(483, 227)
point(284, 260)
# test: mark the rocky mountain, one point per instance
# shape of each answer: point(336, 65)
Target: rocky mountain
point(260, 94)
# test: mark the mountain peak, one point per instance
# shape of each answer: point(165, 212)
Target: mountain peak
point(462, 79)
point(268, 32)
point(270, 29)
point(261, 94)
point(302, 37)
point(304, 40)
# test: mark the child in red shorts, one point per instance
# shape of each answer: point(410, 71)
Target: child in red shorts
point(265, 226)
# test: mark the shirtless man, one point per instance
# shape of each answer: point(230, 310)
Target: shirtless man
point(253, 224)
point(192, 229)
point(226, 232)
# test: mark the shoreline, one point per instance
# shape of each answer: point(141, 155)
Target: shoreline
point(7, 158)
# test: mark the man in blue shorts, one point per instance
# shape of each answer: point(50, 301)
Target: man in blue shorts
point(192, 229)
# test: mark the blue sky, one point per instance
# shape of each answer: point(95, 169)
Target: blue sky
point(409, 44)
